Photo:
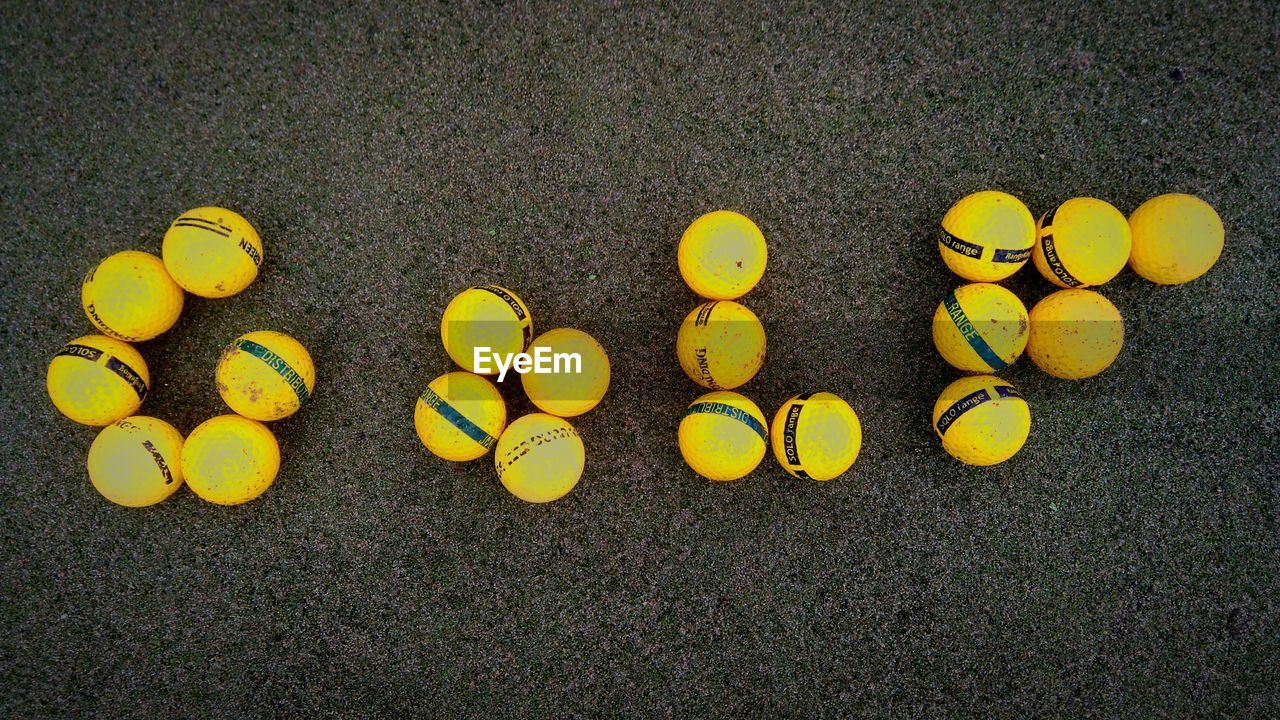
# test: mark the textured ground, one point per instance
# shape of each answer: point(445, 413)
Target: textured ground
point(1124, 564)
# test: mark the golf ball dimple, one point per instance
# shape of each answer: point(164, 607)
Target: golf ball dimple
point(722, 255)
point(137, 461)
point(460, 416)
point(130, 296)
point(1084, 242)
point(97, 380)
point(987, 236)
point(212, 252)
point(1075, 334)
point(980, 328)
point(721, 345)
point(487, 316)
point(982, 420)
point(265, 375)
point(230, 459)
point(571, 388)
point(816, 436)
point(539, 458)
point(1176, 238)
point(723, 436)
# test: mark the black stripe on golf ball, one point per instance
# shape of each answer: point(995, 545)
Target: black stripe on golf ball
point(971, 401)
point(451, 415)
point(202, 225)
point(526, 326)
point(729, 411)
point(1003, 255)
point(1051, 256)
point(971, 334)
point(964, 247)
point(789, 445)
point(277, 363)
point(93, 354)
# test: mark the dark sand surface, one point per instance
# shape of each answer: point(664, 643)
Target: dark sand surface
point(1124, 564)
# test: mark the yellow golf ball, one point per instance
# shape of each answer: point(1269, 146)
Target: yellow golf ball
point(721, 345)
point(980, 328)
point(488, 316)
point(722, 255)
point(1075, 334)
point(230, 459)
point(539, 458)
point(982, 420)
point(1176, 238)
point(987, 236)
point(137, 461)
point(265, 375)
point(97, 380)
point(816, 436)
point(130, 296)
point(723, 436)
point(573, 387)
point(212, 252)
point(1084, 242)
point(460, 416)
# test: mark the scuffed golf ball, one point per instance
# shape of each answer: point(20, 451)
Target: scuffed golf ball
point(230, 459)
point(1075, 334)
point(982, 420)
point(265, 375)
point(212, 252)
point(980, 328)
point(721, 345)
point(722, 255)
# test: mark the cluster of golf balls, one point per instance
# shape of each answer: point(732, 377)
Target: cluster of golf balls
point(1073, 333)
point(721, 344)
point(461, 415)
point(102, 380)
